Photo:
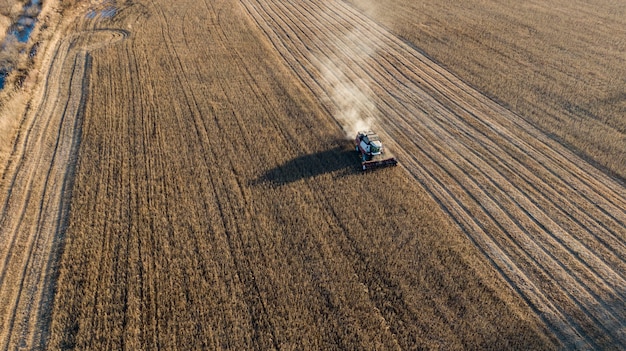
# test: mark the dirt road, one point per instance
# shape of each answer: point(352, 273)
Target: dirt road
point(552, 224)
point(38, 183)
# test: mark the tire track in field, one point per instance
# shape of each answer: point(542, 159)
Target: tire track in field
point(39, 182)
point(552, 224)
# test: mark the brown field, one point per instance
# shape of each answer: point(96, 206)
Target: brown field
point(181, 180)
point(560, 64)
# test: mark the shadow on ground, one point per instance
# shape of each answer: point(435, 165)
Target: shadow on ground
point(341, 158)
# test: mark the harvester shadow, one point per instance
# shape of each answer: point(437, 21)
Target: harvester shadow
point(340, 159)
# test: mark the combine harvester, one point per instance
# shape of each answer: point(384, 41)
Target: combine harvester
point(372, 153)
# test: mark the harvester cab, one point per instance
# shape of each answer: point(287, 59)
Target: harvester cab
point(373, 155)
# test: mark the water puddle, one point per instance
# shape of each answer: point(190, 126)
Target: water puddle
point(108, 10)
point(3, 77)
point(20, 32)
point(22, 29)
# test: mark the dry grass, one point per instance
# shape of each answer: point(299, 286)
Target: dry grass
point(560, 64)
point(9, 10)
point(9, 122)
point(5, 22)
point(215, 206)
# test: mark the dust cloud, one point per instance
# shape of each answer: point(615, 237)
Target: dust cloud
point(350, 95)
point(355, 110)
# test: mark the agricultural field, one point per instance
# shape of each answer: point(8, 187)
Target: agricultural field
point(560, 64)
point(182, 177)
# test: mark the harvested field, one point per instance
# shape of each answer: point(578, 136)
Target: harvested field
point(552, 224)
point(560, 64)
point(215, 205)
point(183, 182)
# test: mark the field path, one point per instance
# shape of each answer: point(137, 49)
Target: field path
point(38, 180)
point(553, 225)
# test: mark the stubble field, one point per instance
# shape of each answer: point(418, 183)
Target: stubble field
point(192, 188)
point(560, 64)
